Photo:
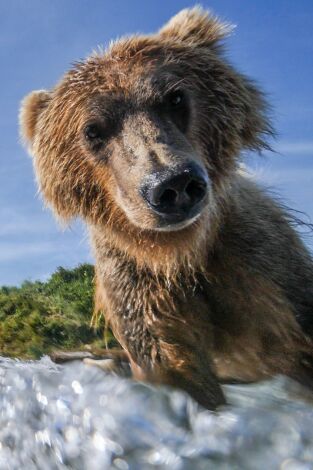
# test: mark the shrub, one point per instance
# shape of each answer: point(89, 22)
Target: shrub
point(41, 316)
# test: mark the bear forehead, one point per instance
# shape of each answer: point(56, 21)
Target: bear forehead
point(138, 65)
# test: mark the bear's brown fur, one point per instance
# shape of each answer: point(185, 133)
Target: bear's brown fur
point(226, 295)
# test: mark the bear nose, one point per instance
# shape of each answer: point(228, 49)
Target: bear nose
point(177, 193)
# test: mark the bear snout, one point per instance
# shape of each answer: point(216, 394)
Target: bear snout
point(177, 194)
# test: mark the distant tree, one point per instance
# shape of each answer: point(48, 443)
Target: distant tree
point(41, 316)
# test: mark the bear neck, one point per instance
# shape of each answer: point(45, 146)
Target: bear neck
point(164, 257)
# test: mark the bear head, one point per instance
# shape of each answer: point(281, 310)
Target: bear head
point(143, 139)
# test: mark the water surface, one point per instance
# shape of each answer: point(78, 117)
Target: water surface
point(75, 416)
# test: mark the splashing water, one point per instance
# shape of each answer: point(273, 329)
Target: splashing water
point(74, 416)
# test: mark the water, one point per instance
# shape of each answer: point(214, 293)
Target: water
point(74, 416)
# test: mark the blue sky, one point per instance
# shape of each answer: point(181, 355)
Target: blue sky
point(273, 43)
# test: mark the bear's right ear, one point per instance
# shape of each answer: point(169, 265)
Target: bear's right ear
point(195, 27)
point(31, 108)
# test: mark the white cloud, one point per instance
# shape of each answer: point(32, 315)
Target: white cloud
point(14, 222)
point(283, 176)
point(22, 227)
point(295, 148)
point(14, 251)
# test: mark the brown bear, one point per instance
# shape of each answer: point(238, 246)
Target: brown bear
point(199, 271)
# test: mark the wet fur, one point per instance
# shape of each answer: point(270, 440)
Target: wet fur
point(230, 296)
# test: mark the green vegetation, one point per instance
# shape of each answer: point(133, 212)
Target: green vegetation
point(40, 317)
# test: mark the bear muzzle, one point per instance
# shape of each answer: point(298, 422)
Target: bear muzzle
point(176, 195)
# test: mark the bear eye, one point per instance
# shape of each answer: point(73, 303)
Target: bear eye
point(93, 131)
point(176, 98)
point(176, 106)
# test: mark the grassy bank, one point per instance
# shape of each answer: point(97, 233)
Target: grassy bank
point(39, 317)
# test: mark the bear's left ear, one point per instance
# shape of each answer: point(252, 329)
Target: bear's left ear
point(31, 108)
point(195, 27)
